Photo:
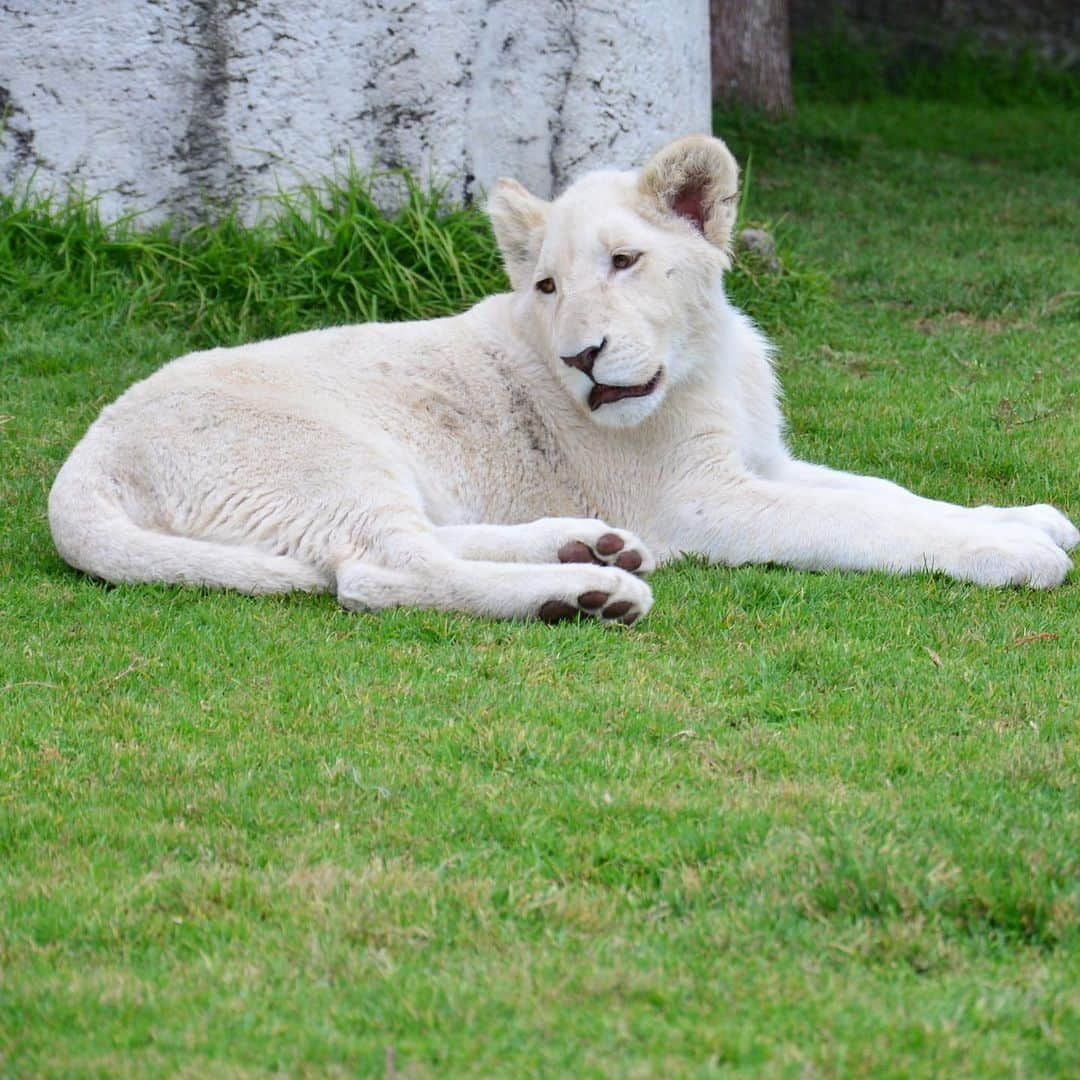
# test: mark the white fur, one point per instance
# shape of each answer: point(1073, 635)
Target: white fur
point(447, 463)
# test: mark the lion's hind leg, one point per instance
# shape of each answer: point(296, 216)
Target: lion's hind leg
point(498, 590)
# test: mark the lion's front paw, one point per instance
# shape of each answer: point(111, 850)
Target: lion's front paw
point(1047, 519)
point(595, 542)
point(606, 593)
point(1012, 554)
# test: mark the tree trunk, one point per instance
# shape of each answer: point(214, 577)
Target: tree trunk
point(751, 54)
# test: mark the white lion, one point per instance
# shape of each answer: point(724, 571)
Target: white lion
point(471, 463)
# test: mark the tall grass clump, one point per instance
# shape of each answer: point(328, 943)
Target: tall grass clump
point(323, 255)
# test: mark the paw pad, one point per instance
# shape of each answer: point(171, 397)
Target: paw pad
point(554, 611)
point(590, 603)
point(609, 543)
point(592, 600)
point(576, 551)
point(608, 550)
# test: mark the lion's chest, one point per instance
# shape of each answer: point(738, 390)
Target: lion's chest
point(485, 453)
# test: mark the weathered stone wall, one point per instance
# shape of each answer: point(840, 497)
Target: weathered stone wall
point(158, 106)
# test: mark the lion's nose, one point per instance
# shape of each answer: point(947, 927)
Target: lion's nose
point(585, 359)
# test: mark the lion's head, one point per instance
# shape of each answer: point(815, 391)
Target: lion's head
point(615, 278)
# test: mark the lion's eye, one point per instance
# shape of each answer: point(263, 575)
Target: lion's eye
point(546, 285)
point(623, 260)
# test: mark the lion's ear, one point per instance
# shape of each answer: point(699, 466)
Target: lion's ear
point(519, 219)
point(695, 178)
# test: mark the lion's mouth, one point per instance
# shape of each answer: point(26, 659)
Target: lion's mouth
point(602, 394)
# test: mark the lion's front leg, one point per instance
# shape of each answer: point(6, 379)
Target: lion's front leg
point(747, 519)
point(1044, 518)
point(1047, 519)
point(549, 540)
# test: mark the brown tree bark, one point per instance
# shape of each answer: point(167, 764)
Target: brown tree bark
point(751, 54)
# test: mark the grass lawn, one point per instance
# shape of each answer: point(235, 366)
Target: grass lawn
point(790, 825)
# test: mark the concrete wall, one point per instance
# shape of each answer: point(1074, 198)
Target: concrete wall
point(158, 105)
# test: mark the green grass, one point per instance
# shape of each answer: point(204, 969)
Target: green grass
point(790, 825)
point(838, 65)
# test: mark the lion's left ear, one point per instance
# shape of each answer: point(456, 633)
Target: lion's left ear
point(695, 178)
point(519, 219)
